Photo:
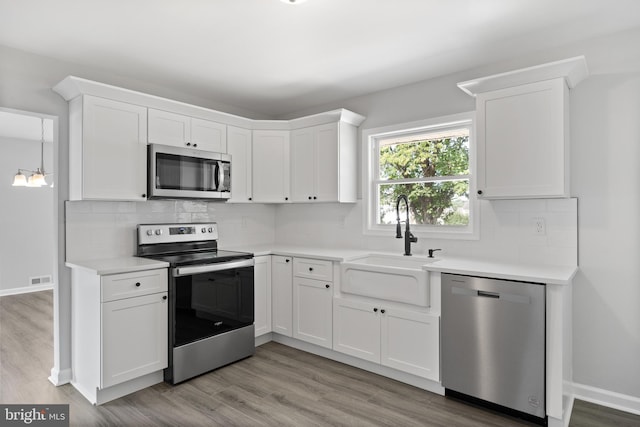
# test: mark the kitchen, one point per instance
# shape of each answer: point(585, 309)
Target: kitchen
point(603, 228)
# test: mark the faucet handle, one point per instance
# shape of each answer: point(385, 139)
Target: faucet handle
point(431, 251)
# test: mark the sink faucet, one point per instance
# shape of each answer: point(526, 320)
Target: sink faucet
point(408, 237)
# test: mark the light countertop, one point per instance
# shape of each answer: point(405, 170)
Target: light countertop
point(557, 275)
point(117, 265)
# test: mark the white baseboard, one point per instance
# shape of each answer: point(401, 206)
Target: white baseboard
point(607, 398)
point(25, 289)
point(61, 377)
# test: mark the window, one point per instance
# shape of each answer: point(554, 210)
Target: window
point(430, 162)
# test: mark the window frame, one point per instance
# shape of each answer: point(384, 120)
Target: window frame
point(370, 177)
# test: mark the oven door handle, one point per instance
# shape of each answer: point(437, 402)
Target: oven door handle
point(198, 269)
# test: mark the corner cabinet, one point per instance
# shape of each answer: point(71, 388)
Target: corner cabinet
point(323, 163)
point(107, 150)
point(522, 130)
point(169, 128)
point(270, 165)
point(119, 332)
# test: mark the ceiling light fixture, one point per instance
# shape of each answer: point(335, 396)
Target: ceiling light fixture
point(293, 1)
point(37, 177)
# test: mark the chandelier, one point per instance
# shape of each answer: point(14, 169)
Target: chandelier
point(36, 177)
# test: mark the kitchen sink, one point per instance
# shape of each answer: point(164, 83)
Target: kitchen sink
point(388, 277)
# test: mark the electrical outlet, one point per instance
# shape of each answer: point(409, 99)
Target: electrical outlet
point(539, 227)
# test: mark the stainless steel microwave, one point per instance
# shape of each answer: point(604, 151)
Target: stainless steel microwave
point(186, 173)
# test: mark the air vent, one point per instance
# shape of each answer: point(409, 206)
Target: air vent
point(40, 280)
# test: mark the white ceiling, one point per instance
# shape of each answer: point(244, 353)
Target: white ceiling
point(273, 58)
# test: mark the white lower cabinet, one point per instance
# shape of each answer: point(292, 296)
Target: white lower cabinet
point(119, 337)
point(281, 295)
point(402, 339)
point(312, 311)
point(134, 338)
point(262, 294)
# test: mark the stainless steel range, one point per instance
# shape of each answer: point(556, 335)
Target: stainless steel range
point(211, 297)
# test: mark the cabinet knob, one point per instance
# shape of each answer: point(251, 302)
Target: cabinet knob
point(287, 260)
point(375, 310)
point(249, 198)
point(479, 192)
point(188, 144)
point(314, 197)
point(195, 145)
point(310, 268)
point(286, 198)
point(144, 196)
point(164, 297)
point(137, 284)
point(382, 311)
point(327, 286)
point(309, 197)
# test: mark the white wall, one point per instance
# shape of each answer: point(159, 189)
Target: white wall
point(605, 153)
point(26, 248)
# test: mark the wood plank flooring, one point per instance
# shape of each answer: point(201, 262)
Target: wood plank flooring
point(279, 386)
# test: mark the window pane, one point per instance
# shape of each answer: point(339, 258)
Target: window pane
point(430, 203)
point(425, 155)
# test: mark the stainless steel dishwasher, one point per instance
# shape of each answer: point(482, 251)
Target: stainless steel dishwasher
point(493, 343)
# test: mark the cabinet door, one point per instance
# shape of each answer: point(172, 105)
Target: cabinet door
point(522, 141)
point(411, 342)
point(356, 329)
point(114, 151)
point(208, 135)
point(169, 128)
point(282, 295)
point(239, 146)
point(312, 311)
point(303, 165)
point(270, 161)
point(134, 338)
point(262, 295)
point(327, 167)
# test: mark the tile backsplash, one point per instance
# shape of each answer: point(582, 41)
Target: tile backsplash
point(97, 230)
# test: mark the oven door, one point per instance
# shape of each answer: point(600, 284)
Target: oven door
point(209, 300)
point(176, 172)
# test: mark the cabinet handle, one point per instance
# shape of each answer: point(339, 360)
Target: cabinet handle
point(164, 297)
point(327, 286)
point(382, 311)
point(137, 284)
point(480, 192)
point(375, 310)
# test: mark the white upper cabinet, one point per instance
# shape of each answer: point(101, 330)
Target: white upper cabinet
point(270, 161)
point(107, 150)
point(323, 163)
point(183, 131)
point(522, 130)
point(239, 147)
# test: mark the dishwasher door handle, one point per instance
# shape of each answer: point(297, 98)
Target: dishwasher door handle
point(488, 294)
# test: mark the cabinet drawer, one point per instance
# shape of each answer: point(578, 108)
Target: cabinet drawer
point(313, 268)
point(127, 285)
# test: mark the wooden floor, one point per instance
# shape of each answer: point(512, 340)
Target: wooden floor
point(279, 386)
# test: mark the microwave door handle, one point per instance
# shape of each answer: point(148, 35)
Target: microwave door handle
point(216, 176)
point(221, 176)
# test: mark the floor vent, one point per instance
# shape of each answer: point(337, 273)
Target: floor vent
point(40, 280)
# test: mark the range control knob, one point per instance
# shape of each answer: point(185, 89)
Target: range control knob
point(158, 232)
point(204, 230)
point(149, 232)
point(210, 229)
